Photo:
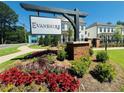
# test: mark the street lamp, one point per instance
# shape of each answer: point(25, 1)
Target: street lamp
point(105, 41)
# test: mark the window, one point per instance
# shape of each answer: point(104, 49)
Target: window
point(108, 29)
point(112, 30)
point(34, 41)
point(63, 26)
point(104, 29)
point(100, 29)
point(108, 37)
point(85, 32)
point(66, 27)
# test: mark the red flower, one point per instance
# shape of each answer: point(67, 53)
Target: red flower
point(56, 82)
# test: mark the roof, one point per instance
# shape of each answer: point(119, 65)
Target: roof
point(100, 24)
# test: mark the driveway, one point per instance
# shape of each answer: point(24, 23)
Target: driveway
point(23, 50)
point(11, 45)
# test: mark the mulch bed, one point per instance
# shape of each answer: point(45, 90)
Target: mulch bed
point(89, 84)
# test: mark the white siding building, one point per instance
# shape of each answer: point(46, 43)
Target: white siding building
point(65, 27)
point(97, 30)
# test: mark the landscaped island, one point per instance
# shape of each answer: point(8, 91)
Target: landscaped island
point(50, 71)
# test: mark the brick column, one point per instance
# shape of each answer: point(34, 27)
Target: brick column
point(76, 50)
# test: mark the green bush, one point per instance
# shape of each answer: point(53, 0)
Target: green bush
point(61, 55)
point(104, 72)
point(91, 52)
point(122, 88)
point(80, 67)
point(41, 41)
point(86, 60)
point(51, 58)
point(102, 56)
point(47, 40)
point(55, 40)
point(57, 69)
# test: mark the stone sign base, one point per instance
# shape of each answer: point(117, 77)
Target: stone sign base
point(76, 50)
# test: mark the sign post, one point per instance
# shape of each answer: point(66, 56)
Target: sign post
point(74, 49)
point(66, 13)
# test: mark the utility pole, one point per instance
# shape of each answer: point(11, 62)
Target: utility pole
point(105, 37)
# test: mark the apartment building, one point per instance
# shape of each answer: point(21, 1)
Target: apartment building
point(102, 31)
point(66, 25)
point(97, 30)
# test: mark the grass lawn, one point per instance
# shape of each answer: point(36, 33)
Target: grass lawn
point(38, 47)
point(9, 50)
point(116, 56)
point(9, 63)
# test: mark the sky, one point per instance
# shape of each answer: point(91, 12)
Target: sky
point(98, 11)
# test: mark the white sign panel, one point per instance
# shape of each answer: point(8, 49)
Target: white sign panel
point(42, 25)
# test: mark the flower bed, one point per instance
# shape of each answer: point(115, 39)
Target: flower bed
point(54, 82)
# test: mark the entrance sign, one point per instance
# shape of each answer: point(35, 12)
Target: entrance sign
point(72, 48)
point(66, 13)
point(43, 25)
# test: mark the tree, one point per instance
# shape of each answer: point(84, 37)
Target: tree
point(118, 34)
point(8, 19)
point(120, 23)
point(41, 41)
point(55, 40)
point(21, 34)
point(47, 40)
point(17, 36)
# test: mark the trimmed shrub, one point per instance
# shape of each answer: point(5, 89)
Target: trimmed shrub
point(104, 72)
point(61, 55)
point(51, 58)
point(86, 60)
point(102, 56)
point(41, 41)
point(79, 67)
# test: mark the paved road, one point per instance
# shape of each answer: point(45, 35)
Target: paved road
point(11, 45)
point(23, 50)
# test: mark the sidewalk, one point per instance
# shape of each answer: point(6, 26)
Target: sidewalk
point(23, 50)
point(109, 48)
